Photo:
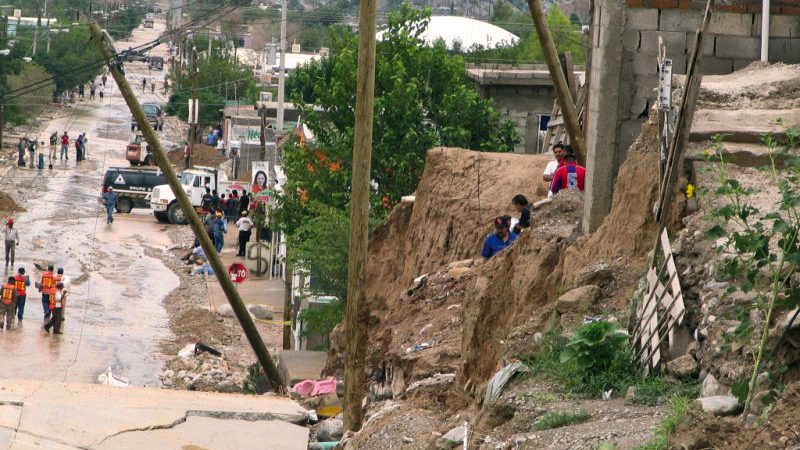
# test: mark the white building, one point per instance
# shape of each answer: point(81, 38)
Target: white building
point(467, 31)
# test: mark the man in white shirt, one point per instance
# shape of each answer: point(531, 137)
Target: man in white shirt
point(245, 225)
point(559, 151)
point(12, 241)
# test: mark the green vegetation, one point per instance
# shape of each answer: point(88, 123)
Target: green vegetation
point(255, 382)
point(599, 358)
point(677, 409)
point(759, 250)
point(556, 419)
point(565, 31)
point(32, 103)
point(218, 79)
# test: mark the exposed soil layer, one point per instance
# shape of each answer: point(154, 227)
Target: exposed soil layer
point(204, 155)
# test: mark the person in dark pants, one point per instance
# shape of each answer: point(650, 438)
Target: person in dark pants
point(21, 283)
point(46, 286)
point(245, 225)
point(110, 201)
point(57, 307)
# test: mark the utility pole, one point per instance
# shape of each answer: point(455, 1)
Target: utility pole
point(287, 303)
point(2, 120)
point(35, 38)
point(214, 260)
point(282, 68)
point(355, 319)
point(563, 94)
point(195, 105)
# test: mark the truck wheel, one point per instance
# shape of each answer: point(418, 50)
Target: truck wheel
point(176, 215)
point(133, 127)
point(124, 205)
point(161, 216)
point(148, 160)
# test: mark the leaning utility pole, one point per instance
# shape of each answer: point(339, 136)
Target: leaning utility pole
point(214, 260)
point(565, 100)
point(194, 110)
point(355, 319)
point(282, 69)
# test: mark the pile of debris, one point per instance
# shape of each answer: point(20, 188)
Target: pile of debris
point(201, 371)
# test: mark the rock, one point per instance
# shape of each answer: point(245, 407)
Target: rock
point(578, 299)
point(787, 317)
point(464, 263)
point(330, 430)
point(260, 312)
point(458, 272)
point(683, 366)
point(711, 387)
point(454, 436)
point(425, 329)
point(630, 393)
point(599, 274)
point(225, 310)
point(406, 440)
point(680, 342)
point(720, 405)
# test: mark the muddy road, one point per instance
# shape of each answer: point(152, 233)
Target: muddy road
point(114, 315)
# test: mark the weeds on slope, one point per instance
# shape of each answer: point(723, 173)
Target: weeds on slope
point(677, 408)
point(556, 419)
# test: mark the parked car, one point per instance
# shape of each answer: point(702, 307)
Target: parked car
point(134, 187)
point(156, 63)
point(155, 115)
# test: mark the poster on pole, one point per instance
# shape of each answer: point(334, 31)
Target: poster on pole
point(259, 179)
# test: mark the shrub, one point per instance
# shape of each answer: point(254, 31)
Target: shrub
point(556, 419)
point(601, 358)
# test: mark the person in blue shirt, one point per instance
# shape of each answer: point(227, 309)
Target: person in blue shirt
point(212, 138)
point(498, 241)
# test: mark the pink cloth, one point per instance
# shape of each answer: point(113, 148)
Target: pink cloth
point(312, 388)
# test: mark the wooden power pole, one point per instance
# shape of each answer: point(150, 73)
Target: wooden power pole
point(214, 260)
point(355, 319)
point(563, 94)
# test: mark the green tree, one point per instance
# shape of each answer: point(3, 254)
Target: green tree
point(503, 11)
point(31, 103)
point(422, 99)
point(70, 58)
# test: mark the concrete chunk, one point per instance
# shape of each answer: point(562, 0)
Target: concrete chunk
point(720, 405)
point(299, 365)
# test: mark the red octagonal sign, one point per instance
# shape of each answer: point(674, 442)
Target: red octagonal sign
point(237, 272)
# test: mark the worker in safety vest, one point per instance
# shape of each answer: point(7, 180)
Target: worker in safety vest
point(21, 282)
point(57, 303)
point(46, 286)
point(8, 302)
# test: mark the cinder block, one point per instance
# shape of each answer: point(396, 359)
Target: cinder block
point(739, 64)
point(786, 50)
point(708, 44)
point(686, 20)
point(738, 47)
point(630, 40)
point(645, 85)
point(731, 24)
point(674, 40)
point(716, 66)
point(679, 65)
point(645, 63)
point(641, 19)
point(779, 26)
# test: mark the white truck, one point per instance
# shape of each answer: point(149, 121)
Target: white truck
point(194, 181)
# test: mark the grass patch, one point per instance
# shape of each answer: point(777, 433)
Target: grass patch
point(656, 390)
point(677, 408)
point(557, 419)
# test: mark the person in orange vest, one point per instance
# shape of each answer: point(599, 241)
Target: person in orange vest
point(57, 302)
point(21, 282)
point(45, 287)
point(8, 302)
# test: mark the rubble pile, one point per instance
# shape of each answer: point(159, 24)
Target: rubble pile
point(201, 372)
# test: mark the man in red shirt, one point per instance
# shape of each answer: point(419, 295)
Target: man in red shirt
point(568, 176)
point(64, 145)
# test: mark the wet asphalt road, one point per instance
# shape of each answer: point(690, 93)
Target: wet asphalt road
point(114, 316)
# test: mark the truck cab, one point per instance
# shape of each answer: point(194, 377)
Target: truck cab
point(194, 182)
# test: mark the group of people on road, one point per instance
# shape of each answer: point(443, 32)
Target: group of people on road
point(96, 87)
point(36, 155)
point(562, 173)
point(14, 293)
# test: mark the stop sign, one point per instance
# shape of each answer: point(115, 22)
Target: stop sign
point(237, 272)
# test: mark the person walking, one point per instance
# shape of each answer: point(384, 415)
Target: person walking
point(56, 305)
point(8, 304)
point(104, 79)
point(21, 283)
point(102, 91)
point(152, 88)
point(245, 225)
point(187, 155)
point(22, 145)
point(92, 89)
point(46, 286)
point(53, 146)
point(244, 201)
point(32, 153)
point(64, 146)
point(220, 227)
point(110, 201)
point(144, 83)
point(12, 240)
point(79, 148)
point(80, 91)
